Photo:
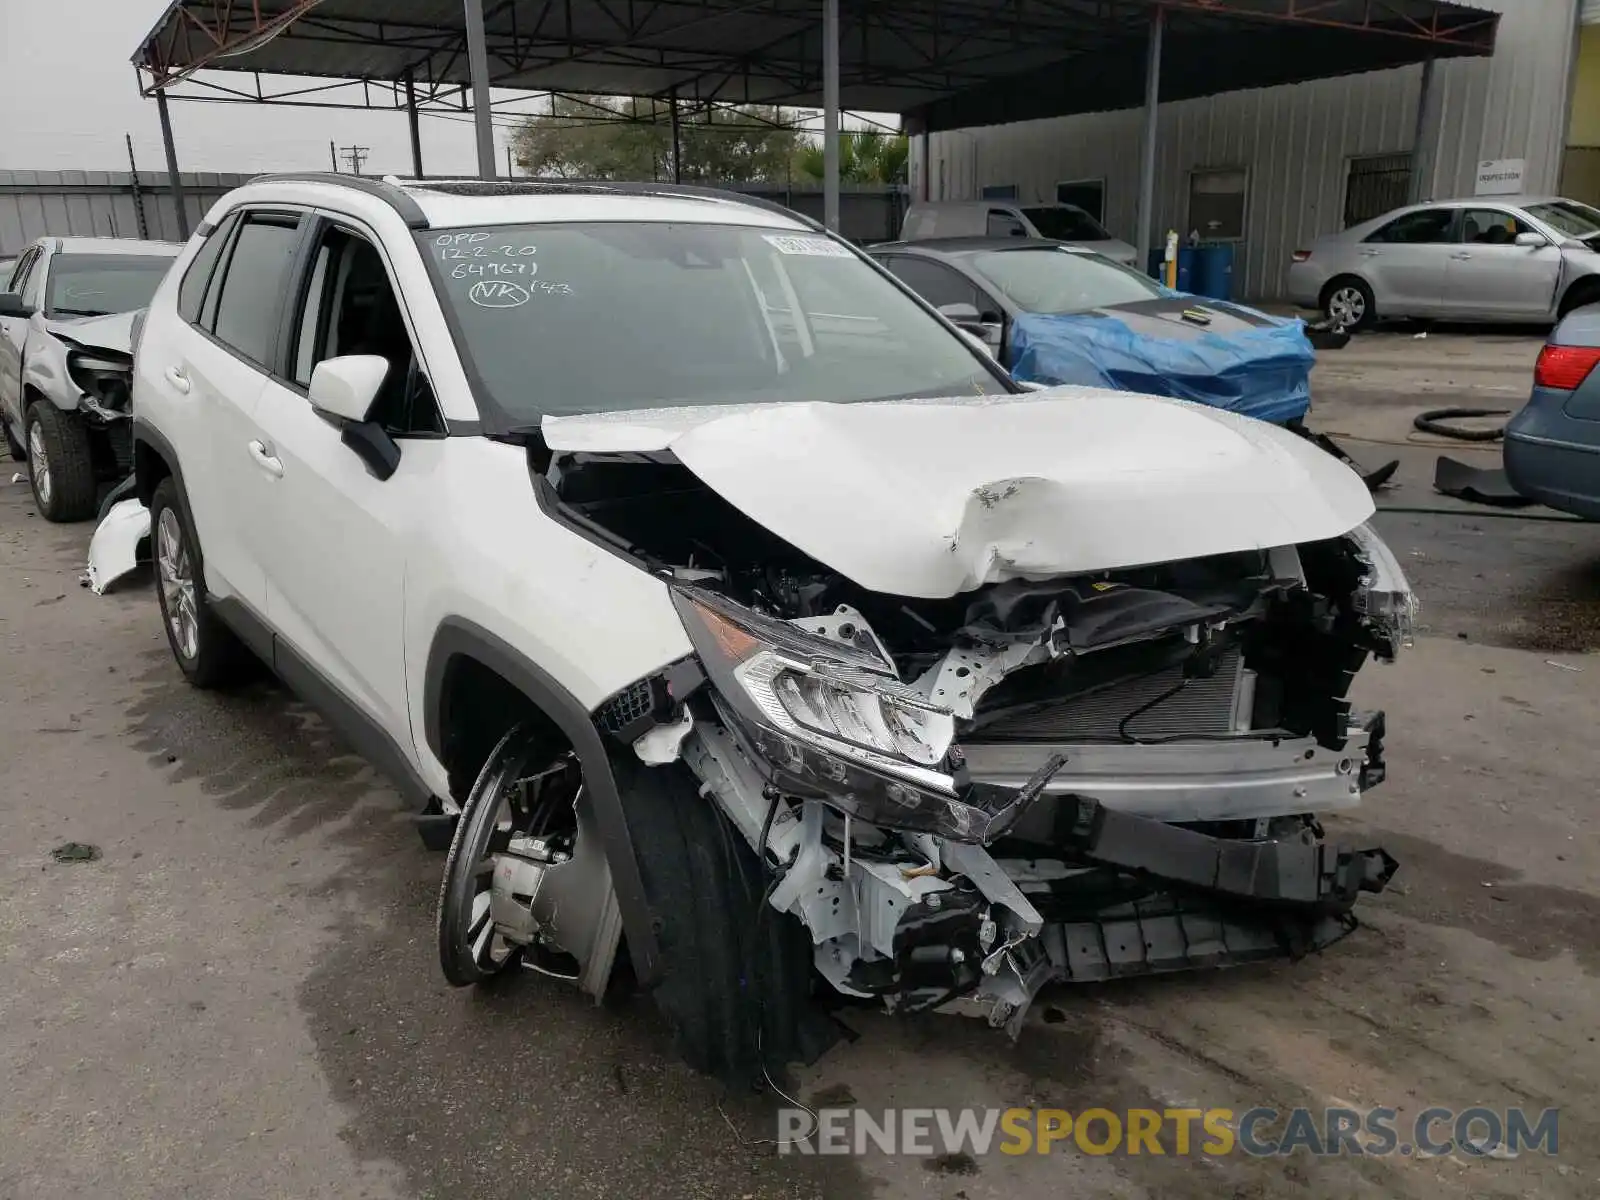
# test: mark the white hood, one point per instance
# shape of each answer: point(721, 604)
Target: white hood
point(934, 498)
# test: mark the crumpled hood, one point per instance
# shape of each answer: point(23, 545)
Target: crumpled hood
point(938, 497)
point(113, 332)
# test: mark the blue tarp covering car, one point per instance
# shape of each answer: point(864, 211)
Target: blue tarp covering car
point(1260, 369)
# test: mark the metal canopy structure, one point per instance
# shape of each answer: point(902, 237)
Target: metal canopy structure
point(941, 64)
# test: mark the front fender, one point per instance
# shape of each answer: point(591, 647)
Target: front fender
point(44, 371)
point(458, 636)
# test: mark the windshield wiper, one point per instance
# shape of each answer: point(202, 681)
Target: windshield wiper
point(78, 312)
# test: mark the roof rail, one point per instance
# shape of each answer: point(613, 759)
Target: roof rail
point(548, 187)
point(397, 198)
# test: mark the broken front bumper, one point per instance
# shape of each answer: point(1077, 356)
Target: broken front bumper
point(1133, 895)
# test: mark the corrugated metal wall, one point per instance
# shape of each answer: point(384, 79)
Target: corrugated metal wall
point(1295, 142)
point(99, 204)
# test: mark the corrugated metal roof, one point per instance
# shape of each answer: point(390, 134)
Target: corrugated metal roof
point(951, 61)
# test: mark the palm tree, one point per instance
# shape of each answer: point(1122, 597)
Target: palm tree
point(865, 156)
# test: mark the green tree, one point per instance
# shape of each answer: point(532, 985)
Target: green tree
point(865, 156)
point(631, 139)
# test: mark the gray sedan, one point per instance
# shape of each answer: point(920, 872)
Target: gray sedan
point(1493, 258)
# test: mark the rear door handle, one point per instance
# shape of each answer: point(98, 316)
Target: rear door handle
point(1461, 256)
point(178, 380)
point(1369, 254)
point(262, 453)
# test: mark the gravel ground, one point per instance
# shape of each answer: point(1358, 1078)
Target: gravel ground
point(240, 997)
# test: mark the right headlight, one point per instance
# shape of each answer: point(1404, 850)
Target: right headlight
point(1383, 596)
point(833, 722)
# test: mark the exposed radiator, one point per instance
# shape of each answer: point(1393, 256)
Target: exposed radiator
point(1201, 706)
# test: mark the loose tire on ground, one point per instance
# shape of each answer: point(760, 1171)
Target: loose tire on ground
point(60, 466)
point(18, 454)
point(213, 656)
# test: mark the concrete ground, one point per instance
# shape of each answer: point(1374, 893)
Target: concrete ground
point(241, 998)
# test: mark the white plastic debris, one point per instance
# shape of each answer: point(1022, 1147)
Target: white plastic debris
point(114, 549)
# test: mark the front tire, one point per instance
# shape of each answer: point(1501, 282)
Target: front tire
point(208, 652)
point(60, 465)
point(1348, 303)
point(738, 978)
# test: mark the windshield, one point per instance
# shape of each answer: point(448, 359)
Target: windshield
point(1568, 217)
point(1065, 223)
point(1062, 281)
point(557, 319)
point(92, 285)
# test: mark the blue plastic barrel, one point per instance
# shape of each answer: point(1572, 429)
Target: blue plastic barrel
point(1213, 271)
point(1187, 261)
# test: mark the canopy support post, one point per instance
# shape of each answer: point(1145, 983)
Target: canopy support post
point(830, 114)
point(478, 64)
point(1147, 165)
point(174, 181)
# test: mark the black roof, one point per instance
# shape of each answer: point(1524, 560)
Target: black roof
point(941, 63)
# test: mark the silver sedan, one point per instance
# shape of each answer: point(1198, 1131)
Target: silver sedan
point(1491, 258)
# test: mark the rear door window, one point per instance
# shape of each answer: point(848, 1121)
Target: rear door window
point(250, 297)
point(192, 291)
point(1425, 227)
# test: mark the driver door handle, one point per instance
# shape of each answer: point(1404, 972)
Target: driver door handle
point(1461, 256)
point(178, 380)
point(264, 458)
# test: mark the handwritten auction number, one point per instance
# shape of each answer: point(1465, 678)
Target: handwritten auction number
point(492, 270)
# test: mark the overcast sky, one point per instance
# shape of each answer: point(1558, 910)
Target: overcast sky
point(68, 95)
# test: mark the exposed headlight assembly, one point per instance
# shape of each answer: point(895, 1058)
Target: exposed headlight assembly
point(1383, 596)
point(834, 722)
point(106, 379)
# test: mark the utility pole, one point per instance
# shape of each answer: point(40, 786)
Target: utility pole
point(138, 196)
point(333, 156)
point(355, 156)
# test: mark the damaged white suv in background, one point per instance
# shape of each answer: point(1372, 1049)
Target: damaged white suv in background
point(732, 616)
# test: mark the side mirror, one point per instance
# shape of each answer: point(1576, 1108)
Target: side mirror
point(1529, 238)
point(345, 387)
point(11, 305)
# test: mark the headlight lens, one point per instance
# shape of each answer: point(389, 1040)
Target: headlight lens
point(835, 723)
point(1383, 596)
point(106, 379)
point(855, 709)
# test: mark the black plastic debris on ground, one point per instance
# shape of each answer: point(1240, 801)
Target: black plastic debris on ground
point(74, 852)
point(1479, 485)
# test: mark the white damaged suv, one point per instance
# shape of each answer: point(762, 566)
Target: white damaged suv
point(729, 613)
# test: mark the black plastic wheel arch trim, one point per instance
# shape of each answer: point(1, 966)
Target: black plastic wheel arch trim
point(458, 636)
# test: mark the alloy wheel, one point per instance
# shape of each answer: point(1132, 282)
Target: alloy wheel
point(1347, 307)
point(177, 584)
point(39, 464)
